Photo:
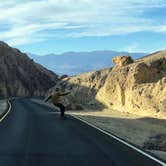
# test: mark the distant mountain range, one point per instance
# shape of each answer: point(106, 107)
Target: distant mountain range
point(72, 63)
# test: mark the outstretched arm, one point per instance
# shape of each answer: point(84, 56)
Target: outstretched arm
point(49, 97)
point(64, 94)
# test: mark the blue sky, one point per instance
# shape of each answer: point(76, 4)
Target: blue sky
point(56, 26)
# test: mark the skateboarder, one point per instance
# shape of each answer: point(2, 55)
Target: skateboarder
point(56, 100)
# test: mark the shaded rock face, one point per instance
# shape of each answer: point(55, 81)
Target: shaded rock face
point(21, 76)
point(84, 89)
point(62, 77)
point(138, 87)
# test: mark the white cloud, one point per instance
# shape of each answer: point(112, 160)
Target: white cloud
point(26, 21)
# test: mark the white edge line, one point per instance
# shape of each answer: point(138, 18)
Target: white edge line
point(120, 140)
point(4, 116)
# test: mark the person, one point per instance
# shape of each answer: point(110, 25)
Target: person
point(56, 100)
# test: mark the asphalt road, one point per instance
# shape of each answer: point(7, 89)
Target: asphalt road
point(34, 135)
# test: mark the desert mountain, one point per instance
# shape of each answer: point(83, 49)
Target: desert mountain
point(133, 86)
point(72, 63)
point(21, 76)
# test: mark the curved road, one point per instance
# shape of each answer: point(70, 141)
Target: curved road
point(34, 135)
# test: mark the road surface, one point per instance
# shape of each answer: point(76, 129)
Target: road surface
point(34, 135)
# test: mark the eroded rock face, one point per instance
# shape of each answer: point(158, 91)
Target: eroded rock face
point(84, 89)
point(21, 76)
point(138, 87)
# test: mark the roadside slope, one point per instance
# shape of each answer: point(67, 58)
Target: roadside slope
point(137, 87)
point(5, 107)
point(21, 76)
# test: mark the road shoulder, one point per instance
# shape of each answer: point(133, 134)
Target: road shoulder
point(5, 108)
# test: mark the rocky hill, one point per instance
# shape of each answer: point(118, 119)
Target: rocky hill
point(21, 76)
point(131, 86)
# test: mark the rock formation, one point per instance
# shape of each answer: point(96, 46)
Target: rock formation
point(21, 76)
point(84, 89)
point(138, 87)
point(121, 61)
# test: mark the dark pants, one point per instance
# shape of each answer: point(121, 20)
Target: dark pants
point(61, 107)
